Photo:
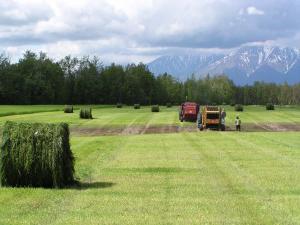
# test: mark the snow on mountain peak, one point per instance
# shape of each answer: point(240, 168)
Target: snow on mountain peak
point(247, 60)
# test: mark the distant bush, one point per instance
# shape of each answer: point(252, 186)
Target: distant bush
point(136, 106)
point(86, 113)
point(270, 106)
point(68, 109)
point(224, 103)
point(169, 105)
point(119, 105)
point(155, 108)
point(36, 155)
point(239, 108)
point(232, 104)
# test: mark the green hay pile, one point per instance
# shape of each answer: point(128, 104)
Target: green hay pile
point(270, 106)
point(86, 113)
point(155, 108)
point(36, 155)
point(136, 106)
point(68, 109)
point(239, 108)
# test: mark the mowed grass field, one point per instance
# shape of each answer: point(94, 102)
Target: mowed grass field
point(180, 178)
point(110, 116)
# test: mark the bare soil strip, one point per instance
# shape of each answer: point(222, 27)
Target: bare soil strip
point(159, 129)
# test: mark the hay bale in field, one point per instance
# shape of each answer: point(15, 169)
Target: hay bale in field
point(86, 113)
point(155, 108)
point(169, 104)
point(119, 105)
point(239, 108)
point(36, 155)
point(136, 106)
point(68, 109)
point(270, 106)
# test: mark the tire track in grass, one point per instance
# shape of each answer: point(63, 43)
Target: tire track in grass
point(227, 184)
point(261, 149)
point(67, 199)
point(219, 183)
point(265, 195)
point(129, 129)
point(147, 125)
point(168, 188)
point(281, 142)
point(98, 163)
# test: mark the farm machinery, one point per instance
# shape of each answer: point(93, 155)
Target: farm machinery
point(188, 111)
point(211, 117)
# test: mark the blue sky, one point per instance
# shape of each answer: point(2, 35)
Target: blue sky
point(141, 30)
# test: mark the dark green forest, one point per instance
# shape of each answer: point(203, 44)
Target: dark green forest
point(38, 79)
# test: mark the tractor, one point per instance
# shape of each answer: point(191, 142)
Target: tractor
point(211, 117)
point(188, 111)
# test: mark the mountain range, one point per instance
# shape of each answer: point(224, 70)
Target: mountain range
point(244, 65)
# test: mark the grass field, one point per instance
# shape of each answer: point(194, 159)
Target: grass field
point(111, 116)
point(218, 178)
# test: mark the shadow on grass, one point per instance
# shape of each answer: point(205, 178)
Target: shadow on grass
point(77, 185)
point(91, 185)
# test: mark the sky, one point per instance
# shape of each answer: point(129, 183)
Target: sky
point(125, 31)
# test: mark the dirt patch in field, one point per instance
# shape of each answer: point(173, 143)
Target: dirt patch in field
point(131, 130)
point(159, 129)
point(270, 127)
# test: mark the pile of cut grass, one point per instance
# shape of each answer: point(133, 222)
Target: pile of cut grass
point(36, 155)
point(86, 113)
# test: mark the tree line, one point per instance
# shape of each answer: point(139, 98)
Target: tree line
point(38, 79)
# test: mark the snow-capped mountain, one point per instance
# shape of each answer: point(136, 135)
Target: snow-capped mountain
point(244, 65)
point(182, 66)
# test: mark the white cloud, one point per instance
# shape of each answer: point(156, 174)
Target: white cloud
point(254, 11)
point(141, 30)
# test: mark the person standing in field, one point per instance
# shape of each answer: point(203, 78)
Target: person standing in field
point(238, 123)
point(223, 116)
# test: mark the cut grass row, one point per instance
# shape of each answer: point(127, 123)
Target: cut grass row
point(198, 178)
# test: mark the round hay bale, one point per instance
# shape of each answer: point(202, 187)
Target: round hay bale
point(239, 108)
point(86, 113)
point(155, 108)
point(169, 105)
point(270, 106)
point(36, 155)
point(68, 109)
point(136, 106)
